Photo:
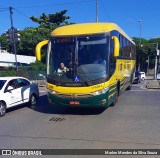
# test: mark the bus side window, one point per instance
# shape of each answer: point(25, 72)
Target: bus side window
point(112, 64)
point(121, 44)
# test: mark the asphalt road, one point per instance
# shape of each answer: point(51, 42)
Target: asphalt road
point(133, 123)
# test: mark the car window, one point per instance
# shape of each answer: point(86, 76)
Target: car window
point(22, 82)
point(2, 82)
point(12, 83)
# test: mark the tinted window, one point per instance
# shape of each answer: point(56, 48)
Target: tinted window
point(22, 82)
point(84, 56)
point(2, 82)
point(12, 83)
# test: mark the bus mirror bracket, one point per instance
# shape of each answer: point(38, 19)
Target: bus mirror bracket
point(38, 49)
point(116, 46)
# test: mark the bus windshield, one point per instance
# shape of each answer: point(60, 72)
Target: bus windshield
point(81, 60)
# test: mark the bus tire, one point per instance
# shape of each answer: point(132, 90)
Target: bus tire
point(129, 87)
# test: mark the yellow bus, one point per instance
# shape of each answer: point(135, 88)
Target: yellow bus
point(88, 65)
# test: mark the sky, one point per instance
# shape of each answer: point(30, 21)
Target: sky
point(131, 15)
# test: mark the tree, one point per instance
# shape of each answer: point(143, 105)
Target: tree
point(47, 23)
point(51, 21)
point(29, 39)
point(147, 49)
point(3, 41)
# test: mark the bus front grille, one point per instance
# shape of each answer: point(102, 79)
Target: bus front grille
point(73, 95)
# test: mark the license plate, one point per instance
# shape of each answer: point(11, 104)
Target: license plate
point(74, 103)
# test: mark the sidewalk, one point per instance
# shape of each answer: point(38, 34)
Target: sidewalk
point(152, 83)
point(149, 77)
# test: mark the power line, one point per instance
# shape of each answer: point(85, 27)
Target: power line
point(48, 5)
point(105, 10)
point(3, 10)
point(21, 13)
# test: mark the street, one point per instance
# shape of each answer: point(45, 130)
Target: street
point(133, 123)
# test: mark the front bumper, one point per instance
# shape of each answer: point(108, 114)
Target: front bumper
point(83, 100)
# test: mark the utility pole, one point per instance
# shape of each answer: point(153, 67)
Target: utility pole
point(155, 69)
point(13, 36)
point(148, 66)
point(97, 11)
point(140, 32)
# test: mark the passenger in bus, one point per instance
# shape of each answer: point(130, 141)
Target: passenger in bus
point(62, 69)
point(70, 66)
point(99, 60)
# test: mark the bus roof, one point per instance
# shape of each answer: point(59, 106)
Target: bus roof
point(87, 28)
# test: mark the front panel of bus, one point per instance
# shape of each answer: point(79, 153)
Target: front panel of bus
point(78, 70)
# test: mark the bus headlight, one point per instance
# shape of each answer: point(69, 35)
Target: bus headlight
point(102, 91)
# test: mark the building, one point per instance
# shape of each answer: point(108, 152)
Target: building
point(8, 59)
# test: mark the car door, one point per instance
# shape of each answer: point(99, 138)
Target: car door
point(12, 94)
point(24, 87)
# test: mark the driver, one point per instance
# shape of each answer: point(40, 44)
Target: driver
point(62, 68)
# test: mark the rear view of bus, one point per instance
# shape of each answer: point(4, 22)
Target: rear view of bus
point(84, 65)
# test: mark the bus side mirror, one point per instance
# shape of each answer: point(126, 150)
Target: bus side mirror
point(38, 49)
point(116, 46)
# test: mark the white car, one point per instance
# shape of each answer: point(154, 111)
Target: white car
point(143, 75)
point(15, 91)
point(158, 76)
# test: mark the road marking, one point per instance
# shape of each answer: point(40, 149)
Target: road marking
point(146, 90)
point(139, 90)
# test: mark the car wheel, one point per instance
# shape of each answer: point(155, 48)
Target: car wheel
point(2, 109)
point(33, 100)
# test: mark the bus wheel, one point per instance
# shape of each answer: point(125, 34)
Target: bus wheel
point(129, 87)
point(130, 84)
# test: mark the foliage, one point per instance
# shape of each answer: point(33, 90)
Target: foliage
point(145, 50)
point(52, 20)
point(3, 41)
point(7, 73)
point(38, 66)
point(31, 73)
point(47, 23)
point(29, 39)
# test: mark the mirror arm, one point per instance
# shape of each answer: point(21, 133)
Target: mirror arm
point(116, 46)
point(38, 49)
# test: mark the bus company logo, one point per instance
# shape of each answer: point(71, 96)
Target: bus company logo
point(6, 152)
point(74, 96)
